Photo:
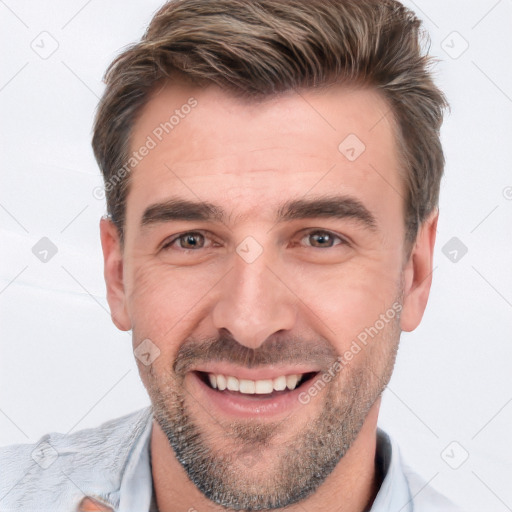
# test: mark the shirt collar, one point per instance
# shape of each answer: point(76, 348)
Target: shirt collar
point(394, 493)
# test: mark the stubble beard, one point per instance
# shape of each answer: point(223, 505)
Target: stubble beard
point(239, 466)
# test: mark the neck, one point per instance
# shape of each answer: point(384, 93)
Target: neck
point(351, 487)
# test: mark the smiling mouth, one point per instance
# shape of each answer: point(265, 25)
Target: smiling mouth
point(264, 388)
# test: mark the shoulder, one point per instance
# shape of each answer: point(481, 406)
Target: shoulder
point(60, 468)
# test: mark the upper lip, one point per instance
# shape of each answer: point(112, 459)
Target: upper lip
point(263, 373)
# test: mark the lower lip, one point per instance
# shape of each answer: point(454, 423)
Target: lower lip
point(236, 404)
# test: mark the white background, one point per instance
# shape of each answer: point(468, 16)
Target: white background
point(64, 366)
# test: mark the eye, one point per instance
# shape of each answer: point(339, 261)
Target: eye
point(323, 239)
point(189, 240)
point(193, 240)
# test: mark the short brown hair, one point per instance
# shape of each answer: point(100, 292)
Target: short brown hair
point(257, 48)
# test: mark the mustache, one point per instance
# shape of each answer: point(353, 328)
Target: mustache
point(277, 349)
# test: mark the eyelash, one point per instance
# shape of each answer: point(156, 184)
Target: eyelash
point(311, 232)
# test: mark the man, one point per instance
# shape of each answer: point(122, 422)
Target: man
point(272, 175)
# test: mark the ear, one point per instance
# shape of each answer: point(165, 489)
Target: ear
point(113, 273)
point(418, 274)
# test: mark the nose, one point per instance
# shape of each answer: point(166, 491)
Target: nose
point(254, 303)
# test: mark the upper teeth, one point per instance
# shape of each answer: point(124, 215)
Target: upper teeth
point(251, 387)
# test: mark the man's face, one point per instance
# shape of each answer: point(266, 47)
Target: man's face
point(301, 253)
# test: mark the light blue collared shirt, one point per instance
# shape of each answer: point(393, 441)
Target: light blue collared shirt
point(111, 463)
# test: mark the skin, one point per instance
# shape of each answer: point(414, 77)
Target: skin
point(250, 158)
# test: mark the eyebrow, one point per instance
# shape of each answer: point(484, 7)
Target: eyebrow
point(338, 207)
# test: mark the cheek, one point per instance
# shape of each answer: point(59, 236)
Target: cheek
point(164, 300)
point(348, 300)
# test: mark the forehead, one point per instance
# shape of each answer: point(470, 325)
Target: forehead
point(207, 144)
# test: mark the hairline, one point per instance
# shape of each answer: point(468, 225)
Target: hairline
point(399, 146)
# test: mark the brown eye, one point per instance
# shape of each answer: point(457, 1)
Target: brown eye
point(190, 240)
point(323, 239)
